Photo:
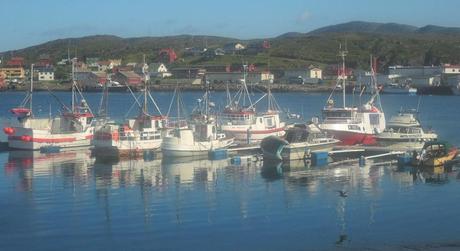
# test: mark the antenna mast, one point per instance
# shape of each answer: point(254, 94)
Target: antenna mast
point(31, 87)
point(343, 54)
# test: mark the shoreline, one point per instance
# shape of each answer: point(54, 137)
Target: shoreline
point(188, 87)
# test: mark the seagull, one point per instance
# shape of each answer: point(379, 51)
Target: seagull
point(342, 193)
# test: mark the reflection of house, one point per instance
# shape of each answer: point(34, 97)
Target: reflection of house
point(159, 70)
point(45, 73)
point(127, 78)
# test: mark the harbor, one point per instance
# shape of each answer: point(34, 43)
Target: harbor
point(244, 125)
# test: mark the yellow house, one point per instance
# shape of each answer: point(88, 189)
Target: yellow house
point(13, 72)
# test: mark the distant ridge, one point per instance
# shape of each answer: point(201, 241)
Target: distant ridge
point(392, 43)
point(384, 28)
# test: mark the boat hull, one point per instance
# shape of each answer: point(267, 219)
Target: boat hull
point(275, 148)
point(242, 133)
point(440, 161)
point(32, 139)
point(348, 138)
point(173, 147)
point(124, 148)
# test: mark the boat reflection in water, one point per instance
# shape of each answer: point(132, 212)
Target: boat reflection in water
point(185, 200)
point(72, 166)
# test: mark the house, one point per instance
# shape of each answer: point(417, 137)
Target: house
point(127, 78)
point(424, 81)
point(45, 73)
point(90, 79)
point(219, 52)
point(236, 77)
point(194, 51)
point(450, 69)
point(213, 53)
point(159, 70)
point(304, 73)
point(115, 62)
point(232, 48)
point(105, 65)
point(15, 62)
point(3, 84)
point(13, 73)
point(44, 60)
point(188, 72)
point(316, 72)
point(399, 71)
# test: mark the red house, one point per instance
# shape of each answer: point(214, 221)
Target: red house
point(15, 62)
point(127, 77)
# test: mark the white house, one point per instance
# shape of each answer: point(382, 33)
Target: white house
point(233, 47)
point(316, 73)
point(45, 74)
point(310, 73)
point(159, 70)
point(450, 69)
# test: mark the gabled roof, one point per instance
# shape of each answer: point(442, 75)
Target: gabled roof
point(129, 74)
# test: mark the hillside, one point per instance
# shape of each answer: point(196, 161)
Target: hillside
point(391, 43)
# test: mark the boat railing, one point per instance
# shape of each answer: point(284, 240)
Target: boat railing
point(335, 120)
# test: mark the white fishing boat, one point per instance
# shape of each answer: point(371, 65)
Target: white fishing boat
point(299, 142)
point(241, 121)
point(354, 125)
point(137, 135)
point(404, 132)
point(72, 128)
point(196, 139)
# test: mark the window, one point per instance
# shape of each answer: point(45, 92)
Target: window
point(374, 119)
point(354, 128)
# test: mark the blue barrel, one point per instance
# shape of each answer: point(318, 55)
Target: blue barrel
point(319, 158)
point(217, 154)
point(236, 160)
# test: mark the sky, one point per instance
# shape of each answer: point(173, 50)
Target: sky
point(29, 22)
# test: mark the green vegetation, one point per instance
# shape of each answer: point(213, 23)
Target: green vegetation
point(393, 44)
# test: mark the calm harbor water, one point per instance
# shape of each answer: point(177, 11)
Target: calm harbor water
point(67, 201)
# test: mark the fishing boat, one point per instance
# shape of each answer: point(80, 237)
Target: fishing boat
point(299, 141)
point(404, 132)
point(195, 139)
point(356, 124)
point(137, 135)
point(241, 121)
point(435, 153)
point(73, 127)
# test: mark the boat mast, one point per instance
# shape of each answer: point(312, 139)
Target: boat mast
point(73, 85)
point(245, 86)
point(31, 87)
point(145, 109)
point(343, 54)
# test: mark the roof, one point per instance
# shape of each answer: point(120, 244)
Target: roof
point(129, 74)
point(155, 65)
point(100, 74)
